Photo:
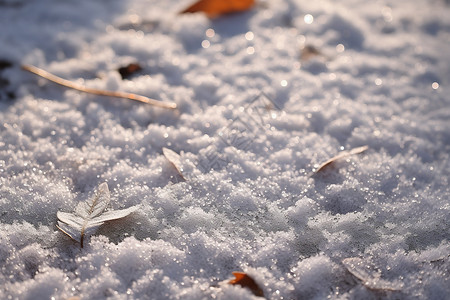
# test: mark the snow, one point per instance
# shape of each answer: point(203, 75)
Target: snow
point(254, 121)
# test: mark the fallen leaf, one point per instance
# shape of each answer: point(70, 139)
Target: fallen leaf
point(341, 155)
point(90, 215)
point(246, 281)
point(174, 159)
point(128, 71)
point(5, 93)
point(358, 268)
point(5, 64)
point(214, 8)
point(309, 52)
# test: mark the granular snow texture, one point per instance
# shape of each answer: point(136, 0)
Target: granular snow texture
point(264, 97)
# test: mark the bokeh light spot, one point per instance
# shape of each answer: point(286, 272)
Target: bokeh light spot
point(206, 44)
point(308, 19)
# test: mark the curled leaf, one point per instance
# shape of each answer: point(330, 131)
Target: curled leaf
point(358, 268)
point(175, 160)
point(246, 281)
point(341, 155)
point(214, 8)
point(89, 216)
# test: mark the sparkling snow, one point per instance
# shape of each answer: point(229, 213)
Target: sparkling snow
point(255, 119)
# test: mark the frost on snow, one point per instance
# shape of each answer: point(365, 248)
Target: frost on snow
point(263, 97)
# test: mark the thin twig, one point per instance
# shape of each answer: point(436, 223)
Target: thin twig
point(82, 88)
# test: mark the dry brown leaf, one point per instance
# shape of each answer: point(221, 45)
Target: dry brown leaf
point(246, 281)
point(309, 52)
point(214, 8)
point(5, 94)
point(82, 88)
point(358, 268)
point(129, 70)
point(5, 64)
point(341, 155)
point(174, 159)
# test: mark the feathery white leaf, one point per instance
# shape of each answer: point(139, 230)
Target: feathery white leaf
point(90, 215)
point(115, 214)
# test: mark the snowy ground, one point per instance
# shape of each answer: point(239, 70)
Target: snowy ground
point(250, 203)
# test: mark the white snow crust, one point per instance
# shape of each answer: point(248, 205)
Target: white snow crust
point(254, 121)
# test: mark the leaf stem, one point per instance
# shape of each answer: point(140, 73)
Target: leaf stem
point(82, 88)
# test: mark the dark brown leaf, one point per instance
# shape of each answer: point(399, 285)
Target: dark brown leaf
point(246, 281)
point(5, 64)
point(127, 71)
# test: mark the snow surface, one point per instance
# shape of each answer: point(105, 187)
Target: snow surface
point(250, 201)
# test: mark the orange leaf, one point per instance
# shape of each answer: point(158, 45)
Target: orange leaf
point(244, 280)
point(214, 8)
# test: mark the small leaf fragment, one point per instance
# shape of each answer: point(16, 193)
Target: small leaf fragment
point(215, 8)
point(129, 70)
point(4, 64)
point(246, 281)
point(308, 52)
point(174, 159)
point(5, 93)
point(358, 268)
point(341, 155)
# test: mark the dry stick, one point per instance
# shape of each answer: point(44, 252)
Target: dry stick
point(82, 88)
